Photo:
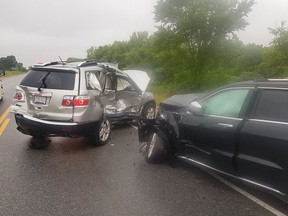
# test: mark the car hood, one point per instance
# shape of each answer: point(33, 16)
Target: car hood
point(141, 78)
point(179, 101)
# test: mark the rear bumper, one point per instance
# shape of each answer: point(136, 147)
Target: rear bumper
point(36, 127)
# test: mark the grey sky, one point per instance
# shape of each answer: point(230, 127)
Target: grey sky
point(38, 31)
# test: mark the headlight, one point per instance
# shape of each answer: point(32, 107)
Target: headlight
point(161, 115)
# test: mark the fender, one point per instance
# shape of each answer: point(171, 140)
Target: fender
point(149, 126)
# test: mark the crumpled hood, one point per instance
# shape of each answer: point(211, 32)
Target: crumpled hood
point(141, 78)
point(178, 101)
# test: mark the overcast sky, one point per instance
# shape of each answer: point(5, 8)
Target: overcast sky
point(40, 31)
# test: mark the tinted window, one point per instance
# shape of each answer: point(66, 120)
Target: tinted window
point(226, 103)
point(272, 105)
point(51, 79)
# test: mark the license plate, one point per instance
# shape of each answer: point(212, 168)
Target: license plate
point(39, 100)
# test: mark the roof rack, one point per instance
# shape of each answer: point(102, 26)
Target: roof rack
point(87, 63)
point(47, 64)
point(109, 65)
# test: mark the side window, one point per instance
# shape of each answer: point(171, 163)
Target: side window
point(123, 84)
point(92, 81)
point(272, 105)
point(226, 103)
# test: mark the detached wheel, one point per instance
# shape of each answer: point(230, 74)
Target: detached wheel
point(103, 132)
point(149, 111)
point(155, 148)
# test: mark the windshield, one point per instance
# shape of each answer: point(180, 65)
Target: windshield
point(53, 80)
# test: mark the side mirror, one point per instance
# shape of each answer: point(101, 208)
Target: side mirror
point(195, 108)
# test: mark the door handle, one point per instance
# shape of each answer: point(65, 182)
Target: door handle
point(225, 125)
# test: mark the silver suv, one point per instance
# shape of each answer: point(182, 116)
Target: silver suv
point(79, 99)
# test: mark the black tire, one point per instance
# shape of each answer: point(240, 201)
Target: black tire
point(102, 134)
point(149, 111)
point(155, 148)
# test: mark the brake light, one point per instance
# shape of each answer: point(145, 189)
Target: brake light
point(67, 101)
point(70, 101)
point(81, 101)
point(19, 96)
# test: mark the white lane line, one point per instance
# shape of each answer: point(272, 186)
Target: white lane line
point(135, 127)
point(249, 196)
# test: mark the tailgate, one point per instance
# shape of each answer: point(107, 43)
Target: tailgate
point(42, 94)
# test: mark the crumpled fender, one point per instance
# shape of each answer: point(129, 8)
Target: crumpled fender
point(148, 126)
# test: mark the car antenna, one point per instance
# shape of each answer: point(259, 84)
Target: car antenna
point(61, 60)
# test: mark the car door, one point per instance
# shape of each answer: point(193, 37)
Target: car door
point(263, 146)
point(128, 98)
point(108, 95)
point(212, 134)
point(90, 90)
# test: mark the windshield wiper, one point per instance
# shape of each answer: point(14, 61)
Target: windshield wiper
point(43, 82)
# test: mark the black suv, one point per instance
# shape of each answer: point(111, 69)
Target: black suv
point(240, 130)
point(79, 99)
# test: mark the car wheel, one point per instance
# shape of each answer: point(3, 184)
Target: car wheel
point(103, 132)
point(149, 111)
point(155, 148)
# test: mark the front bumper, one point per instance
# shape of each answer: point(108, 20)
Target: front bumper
point(37, 127)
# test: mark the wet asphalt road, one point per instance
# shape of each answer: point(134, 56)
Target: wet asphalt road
point(73, 177)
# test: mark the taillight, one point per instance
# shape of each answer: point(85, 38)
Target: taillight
point(81, 101)
point(70, 101)
point(19, 96)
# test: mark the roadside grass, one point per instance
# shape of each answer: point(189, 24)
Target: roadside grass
point(13, 73)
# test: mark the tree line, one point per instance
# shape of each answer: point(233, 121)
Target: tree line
point(10, 63)
point(196, 47)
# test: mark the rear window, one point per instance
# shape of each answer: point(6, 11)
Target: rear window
point(50, 80)
point(272, 105)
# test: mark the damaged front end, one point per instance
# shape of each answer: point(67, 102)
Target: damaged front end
point(161, 136)
point(158, 136)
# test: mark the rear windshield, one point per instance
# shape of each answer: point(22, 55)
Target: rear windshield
point(50, 80)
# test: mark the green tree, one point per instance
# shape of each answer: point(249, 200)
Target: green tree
point(129, 54)
point(275, 57)
point(169, 59)
point(7, 63)
point(280, 41)
point(201, 24)
point(114, 52)
point(74, 59)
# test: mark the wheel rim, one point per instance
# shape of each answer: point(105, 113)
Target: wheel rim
point(152, 145)
point(150, 113)
point(104, 130)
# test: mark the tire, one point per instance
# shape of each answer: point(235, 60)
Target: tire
point(103, 132)
point(149, 111)
point(155, 148)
